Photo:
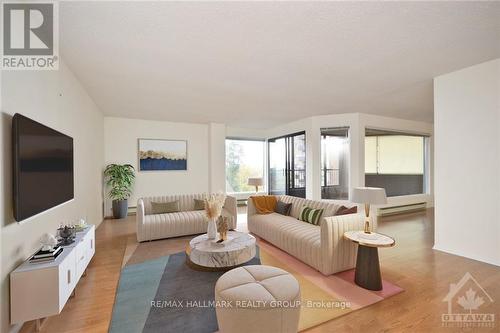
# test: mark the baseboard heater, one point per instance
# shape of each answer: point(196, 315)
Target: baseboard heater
point(401, 209)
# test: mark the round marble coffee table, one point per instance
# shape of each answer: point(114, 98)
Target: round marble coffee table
point(236, 250)
point(367, 273)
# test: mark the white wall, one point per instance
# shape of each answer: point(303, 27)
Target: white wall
point(206, 156)
point(56, 99)
point(217, 150)
point(467, 163)
point(246, 133)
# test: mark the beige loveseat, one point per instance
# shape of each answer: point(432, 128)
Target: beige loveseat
point(185, 222)
point(322, 247)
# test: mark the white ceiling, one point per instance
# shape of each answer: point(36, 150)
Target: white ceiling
point(258, 64)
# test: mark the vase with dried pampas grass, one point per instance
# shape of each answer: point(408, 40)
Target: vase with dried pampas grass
point(213, 209)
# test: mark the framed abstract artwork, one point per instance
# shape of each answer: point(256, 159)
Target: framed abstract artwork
point(162, 155)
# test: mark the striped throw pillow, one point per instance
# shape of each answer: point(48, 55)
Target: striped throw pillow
point(310, 215)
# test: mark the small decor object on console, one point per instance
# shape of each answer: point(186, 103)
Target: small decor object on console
point(48, 242)
point(81, 225)
point(213, 209)
point(66, 235)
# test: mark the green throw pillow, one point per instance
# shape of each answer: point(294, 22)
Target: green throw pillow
point(199, 204)
point(310, 215)
point(164, 207)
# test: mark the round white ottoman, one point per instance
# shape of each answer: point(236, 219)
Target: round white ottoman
point(257, 298)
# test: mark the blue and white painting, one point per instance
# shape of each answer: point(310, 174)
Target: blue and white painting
point(162, 155)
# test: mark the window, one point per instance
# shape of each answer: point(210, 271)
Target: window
point(395, 161)
point(335, 163)
point(244, 159)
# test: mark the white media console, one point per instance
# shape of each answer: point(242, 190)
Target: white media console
point(41, 290)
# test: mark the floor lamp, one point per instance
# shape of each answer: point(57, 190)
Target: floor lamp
point(255, 182)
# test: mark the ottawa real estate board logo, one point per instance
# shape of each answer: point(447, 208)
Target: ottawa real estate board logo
point(468, 305)
point(30, 36)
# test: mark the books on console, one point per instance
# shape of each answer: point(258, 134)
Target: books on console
point(46, 256)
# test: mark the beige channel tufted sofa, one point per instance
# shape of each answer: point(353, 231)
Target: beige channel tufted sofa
point(185, 222)
point(323, 247)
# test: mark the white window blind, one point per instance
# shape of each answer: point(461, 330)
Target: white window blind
point(394, 154)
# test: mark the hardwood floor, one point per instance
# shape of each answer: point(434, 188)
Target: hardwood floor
point(425, 275)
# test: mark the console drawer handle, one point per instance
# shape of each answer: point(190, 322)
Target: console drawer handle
point(69, 276)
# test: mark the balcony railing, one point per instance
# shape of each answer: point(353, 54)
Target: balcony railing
point(330, 177)
point(297, 178)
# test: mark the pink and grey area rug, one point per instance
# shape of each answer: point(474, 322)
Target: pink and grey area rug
point(159, 292)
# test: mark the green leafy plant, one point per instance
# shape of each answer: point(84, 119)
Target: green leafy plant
point(120, 179)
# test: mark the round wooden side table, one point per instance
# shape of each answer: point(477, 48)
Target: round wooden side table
point(367, 263)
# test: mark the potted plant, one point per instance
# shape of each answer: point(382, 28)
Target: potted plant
point(120, 179)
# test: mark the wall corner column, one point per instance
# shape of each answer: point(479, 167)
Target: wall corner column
point(217, 157)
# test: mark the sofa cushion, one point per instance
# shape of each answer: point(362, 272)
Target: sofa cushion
point(164, 207)
point(283, 208)
point(343, 210)
point(329, 208)
point(190, 216)
point(199, 204)
point(186, 202)
point(310, 215)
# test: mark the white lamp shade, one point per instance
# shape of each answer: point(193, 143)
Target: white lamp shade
point(255, 181)
point(369, 195)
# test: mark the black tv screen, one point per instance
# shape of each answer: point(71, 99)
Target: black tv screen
point(42, 166)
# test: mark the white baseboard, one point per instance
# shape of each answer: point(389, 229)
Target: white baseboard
point(16, 328)
point(456, 253)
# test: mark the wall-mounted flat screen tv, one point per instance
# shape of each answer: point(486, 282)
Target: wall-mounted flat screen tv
point(42, 167)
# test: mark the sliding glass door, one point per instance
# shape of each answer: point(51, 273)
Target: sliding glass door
point(287, 165)
point(277, 166)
